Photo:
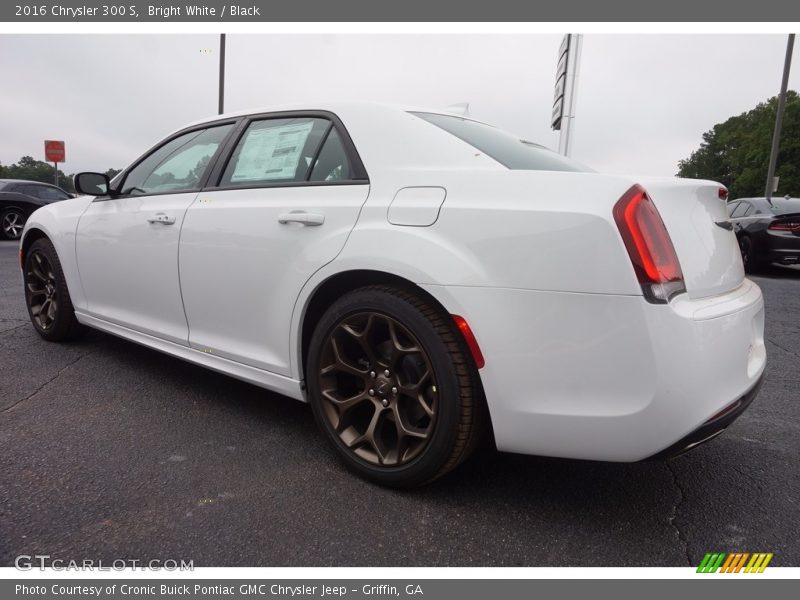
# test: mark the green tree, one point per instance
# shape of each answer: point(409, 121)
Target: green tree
point(36, 170)
point(736, 152)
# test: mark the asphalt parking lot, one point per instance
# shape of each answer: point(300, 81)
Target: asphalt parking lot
point(109, 450)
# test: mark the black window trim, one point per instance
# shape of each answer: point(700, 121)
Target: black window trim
point(235, 121)
point(322, 141)
point(359, 177)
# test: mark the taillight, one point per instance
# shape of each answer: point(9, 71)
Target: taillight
point(649, 246)
point(784, 226)
point(723, 194)
point(469, 338)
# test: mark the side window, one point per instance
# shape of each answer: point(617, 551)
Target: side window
point(739, 211)
point(176, 166)
point(29, 190)
point(749, 209)
point(732, 206)
point(332, 163)
point(275, 150)
point(52, 194)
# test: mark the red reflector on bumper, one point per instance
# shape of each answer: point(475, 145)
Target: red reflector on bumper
point(469, 337)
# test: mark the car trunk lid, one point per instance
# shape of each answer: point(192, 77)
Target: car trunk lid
point(698, 224)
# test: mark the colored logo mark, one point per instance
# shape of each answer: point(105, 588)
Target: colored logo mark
point(735, 562)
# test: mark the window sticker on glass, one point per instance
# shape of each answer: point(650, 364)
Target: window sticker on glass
point(271, 153)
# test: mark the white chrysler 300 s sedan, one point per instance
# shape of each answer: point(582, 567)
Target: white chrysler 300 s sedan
point(421, 278)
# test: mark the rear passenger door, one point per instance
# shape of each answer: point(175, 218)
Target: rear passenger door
point(277, 210)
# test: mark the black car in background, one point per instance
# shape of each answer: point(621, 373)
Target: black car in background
point(19, 198)
point(767, 233)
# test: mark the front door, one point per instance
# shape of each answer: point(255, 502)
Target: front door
point(127, 245)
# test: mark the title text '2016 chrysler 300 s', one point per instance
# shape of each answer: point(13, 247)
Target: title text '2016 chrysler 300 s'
point(421, 278)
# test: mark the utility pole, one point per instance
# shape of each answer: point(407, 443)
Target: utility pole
point(776, 134)
point(221, 73)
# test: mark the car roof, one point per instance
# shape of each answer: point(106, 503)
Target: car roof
point(29, 181)
point(376, 130)
point(6, 182)
point(328, 106)
point(780, 204)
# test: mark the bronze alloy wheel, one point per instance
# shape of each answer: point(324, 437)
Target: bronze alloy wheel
point(42, 290)
point(46, 294)
point(378, 389)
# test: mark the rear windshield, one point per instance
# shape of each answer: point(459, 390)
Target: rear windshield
point(504, 147)
point(782, 206)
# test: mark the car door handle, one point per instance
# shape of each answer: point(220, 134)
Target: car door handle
point(161, 219)
point(304, 218)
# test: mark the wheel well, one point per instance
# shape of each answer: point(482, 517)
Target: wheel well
point(27, 242)
point(336, 286)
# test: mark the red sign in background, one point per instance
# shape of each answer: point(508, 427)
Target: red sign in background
point(54, 151)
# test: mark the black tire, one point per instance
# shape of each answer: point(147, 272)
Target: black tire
point(44, 281)
point(752, 264)
point(12, 221)
point(460, 418)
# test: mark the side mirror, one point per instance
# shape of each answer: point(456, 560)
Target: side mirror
point(92, 184)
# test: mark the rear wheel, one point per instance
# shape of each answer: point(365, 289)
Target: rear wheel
point(46, 294)
point(12, 221)
point(392, 386)
point(749, 260)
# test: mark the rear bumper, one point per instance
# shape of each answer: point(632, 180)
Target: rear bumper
point(784, 256)
point(614, 378)
point(781, 247)
point(713, 427)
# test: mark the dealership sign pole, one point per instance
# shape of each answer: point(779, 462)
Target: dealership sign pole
point(563, 115)
point(54, 152)
point(772, 185)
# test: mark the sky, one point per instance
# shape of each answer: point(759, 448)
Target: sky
point(643, 101)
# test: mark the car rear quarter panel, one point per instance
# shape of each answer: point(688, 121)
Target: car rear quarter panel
point(517, 229)
point(496, 229)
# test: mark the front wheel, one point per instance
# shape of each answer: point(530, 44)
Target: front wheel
point(393, 387)
point(46, 294)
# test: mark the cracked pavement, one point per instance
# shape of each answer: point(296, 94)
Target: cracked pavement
point(109, 450)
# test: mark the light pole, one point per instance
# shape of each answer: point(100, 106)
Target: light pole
point(221, 73)
point(776, 134)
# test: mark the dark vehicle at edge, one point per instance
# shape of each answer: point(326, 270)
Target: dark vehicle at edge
point(19, 198)
point(767, 233)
